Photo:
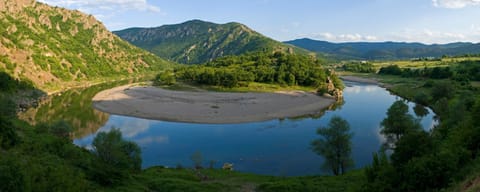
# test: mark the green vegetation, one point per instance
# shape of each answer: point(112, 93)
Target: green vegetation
point(9, 84)
point(43, 158)
point(196, 41)
point(260, 69)
point(335, 145)
point(165, 78)
point(287, 69)
point(397, 124)
point(359, 67)
point(445, 156)
point(117, 159)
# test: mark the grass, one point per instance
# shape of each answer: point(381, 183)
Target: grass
point(164, 179)
point(444, 62)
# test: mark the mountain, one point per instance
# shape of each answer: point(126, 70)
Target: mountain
point(385, 50)
point(199, 41)
point(52, 46)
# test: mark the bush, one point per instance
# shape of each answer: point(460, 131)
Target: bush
point(117, 157)
point(8, 136)
point(442, 90)
point(11, 175)
point(165, 78)
point(390, 70)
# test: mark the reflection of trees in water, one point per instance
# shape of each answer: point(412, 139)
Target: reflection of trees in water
point(337, 105)
point(74, 107)
point(420, 110)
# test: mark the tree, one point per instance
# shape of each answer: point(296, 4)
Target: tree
point(11, 175)
point(335, 145)
point(165, 78)
point(7, 106)
point(397, 123)
point(442, 90)
point(8, 136)
point(116, 156)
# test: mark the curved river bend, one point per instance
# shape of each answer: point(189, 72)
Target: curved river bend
point(275, 147)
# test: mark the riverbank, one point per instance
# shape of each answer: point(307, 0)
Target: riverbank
point(208, 107)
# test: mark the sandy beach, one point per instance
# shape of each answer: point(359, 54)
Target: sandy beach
point(207, 107)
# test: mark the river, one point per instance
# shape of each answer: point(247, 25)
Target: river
point(277, 147)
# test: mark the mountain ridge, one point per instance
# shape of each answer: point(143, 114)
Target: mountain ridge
point(197, 41)
point(385, 50)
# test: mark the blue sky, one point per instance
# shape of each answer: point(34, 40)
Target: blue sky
point(426, 21)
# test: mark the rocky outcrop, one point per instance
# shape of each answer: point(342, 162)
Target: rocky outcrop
point(333, 91)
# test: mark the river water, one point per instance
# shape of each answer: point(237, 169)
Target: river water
point(276, 147)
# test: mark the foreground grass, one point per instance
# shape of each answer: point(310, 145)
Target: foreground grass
point(163, 179)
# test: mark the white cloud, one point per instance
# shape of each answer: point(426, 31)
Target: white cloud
point(455, 4)
point(98, 7)
point(345, 37)
point(129, 128)
point(428, 36)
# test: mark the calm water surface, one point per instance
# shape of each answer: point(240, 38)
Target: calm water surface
point(276, 147)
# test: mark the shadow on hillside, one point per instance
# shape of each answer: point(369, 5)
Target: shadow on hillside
point(18, 94)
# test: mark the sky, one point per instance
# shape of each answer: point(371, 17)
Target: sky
point(425, 21)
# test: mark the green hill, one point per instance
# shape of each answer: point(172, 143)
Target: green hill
point(199, 41)
point(55, 47)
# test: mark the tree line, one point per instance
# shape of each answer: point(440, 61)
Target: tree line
point(463, 71)
point(263, 67)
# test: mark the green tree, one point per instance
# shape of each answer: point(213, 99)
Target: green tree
point(397, 123)
point(442, 90)
point(165, 78)
point(335, 145)
point(117, 157)
point(380, 175)
point(8, 136)
point(11, 175)
point(7, 107)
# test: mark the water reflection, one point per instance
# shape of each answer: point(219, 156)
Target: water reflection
point(74, 107)
point(276, 147)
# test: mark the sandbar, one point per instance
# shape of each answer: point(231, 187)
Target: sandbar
point(208, 107)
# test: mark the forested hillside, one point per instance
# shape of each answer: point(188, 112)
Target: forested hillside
point(198, 41)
